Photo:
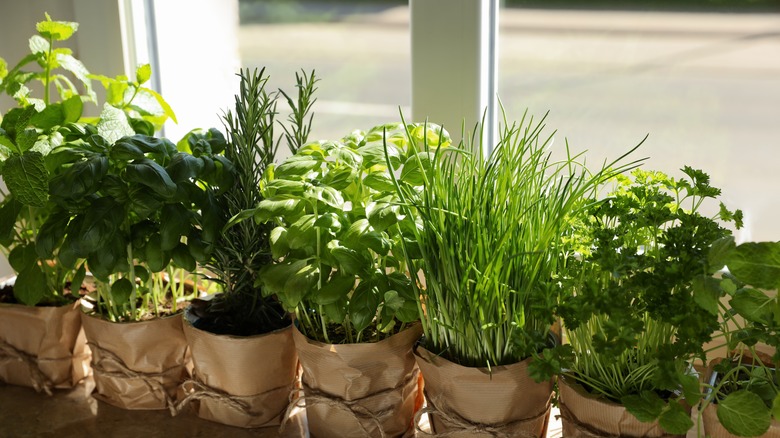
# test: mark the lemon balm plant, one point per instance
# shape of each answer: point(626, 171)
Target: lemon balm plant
point(643, 305)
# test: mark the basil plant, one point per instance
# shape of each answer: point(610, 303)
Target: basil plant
point(339, 241)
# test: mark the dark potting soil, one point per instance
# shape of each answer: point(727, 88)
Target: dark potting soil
point(7, 297)
point(238, 315)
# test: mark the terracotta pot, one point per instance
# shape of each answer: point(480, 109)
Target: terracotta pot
point(586, 415)
point(42, 347)
point(242, 381)
point(360, 390)
point(137, 365)
point(476, 402)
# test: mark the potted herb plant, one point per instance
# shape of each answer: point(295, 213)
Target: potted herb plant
point(741, 390)
point(135, 209)
point(491, 233)
point(342, 272)
point(245, 365)
point(41, 342)
point(641, 311)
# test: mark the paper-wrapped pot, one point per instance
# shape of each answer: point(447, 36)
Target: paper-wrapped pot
point(360, 390)
point(476, 402)
point(137, 365)
point(242, 381)
point(42, 347)
point(586, 415)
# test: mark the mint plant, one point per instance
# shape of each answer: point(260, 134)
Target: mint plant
point(339, 241)
point(28, 134)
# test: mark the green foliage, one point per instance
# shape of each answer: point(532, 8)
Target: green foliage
point(645, 302)
point(339, 235)
point(136, 205)
point(491, 236)
point(242, 249)
point(747, 392)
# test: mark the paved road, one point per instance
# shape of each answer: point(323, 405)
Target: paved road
point(706, 87)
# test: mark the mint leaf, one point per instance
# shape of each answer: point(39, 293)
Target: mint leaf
point(27, 178)
point(744, 413)
point(113, 124)
point(675, 420)
point(143, 73)
point(646, 407)
point(56, 30)
point(691, 389)
point(78, 69)
point(38, 45)
point(72, 109)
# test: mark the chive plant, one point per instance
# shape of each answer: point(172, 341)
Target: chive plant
point(491, 233)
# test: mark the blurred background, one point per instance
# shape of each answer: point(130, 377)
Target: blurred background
point(700, 77)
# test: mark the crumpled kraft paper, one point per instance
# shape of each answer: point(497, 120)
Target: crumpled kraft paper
point(42, 347)
point(359, 390)
point(586, 415)
point(473, 402)
point(241, 381)
point(712, 426)
point(137, 365)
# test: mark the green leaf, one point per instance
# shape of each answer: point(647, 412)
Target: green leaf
point(296, 166)
point(691, 389)
point(143, 73)
point(9, 212)
point(377, 241)
point(277, 207)
point(156, 258)
point(275, 276)
point(646, 407)
point(279, 245)
point(299, 285)
point(113, 124)
point(757, 264)
point(152, 175)
point(706, 293)
point(744, 413)
point(39, 46)
point(25, 139)
point(415, 167)
point(30, 286)
point(336, 289)
point(78, 279)
point(184, 167)
point(27, 178)
point(104, 218)
point(379, 181)
point(72, 108)
point(22, 257)
point(382, 215)
point(675, 420)
point(78, 69)
point(51, 235)
point(328, 222)
point(752, 305)
point(393, 300)
point(174, 223)
point(183, 259)
point(349, 260)
point(56, 30)
point(50, 117)
point(363, 306)
point(776, 407)
point(302, 233)
point(121, 290)
point(81, 179)
point(167, 110)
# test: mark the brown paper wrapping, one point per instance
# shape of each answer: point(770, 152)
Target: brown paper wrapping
point(587, 415)
point(137, 365)
point(473, 402)
point(712, 426)
point(42, 347)
point(360, 390)
point(241, 381)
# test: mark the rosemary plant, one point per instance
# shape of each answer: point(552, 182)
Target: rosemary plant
point(491, 237)
point(242, 248)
